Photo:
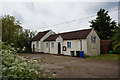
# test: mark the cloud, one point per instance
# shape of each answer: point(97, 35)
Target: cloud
point(18, 16)
point(40, 16)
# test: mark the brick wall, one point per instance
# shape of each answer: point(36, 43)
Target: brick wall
point(105, 46)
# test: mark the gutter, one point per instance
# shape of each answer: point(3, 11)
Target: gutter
point(80, 44)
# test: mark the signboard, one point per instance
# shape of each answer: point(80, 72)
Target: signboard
point(59, 39)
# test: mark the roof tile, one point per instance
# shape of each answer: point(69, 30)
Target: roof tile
point(40, 35)
point(79, 34)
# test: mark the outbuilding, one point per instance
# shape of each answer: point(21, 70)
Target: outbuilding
point(85, 40)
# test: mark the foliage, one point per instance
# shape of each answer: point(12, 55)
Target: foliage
point(103, 25)
point(10, 27)
point(116, 40)
point(28, 35)
point(116, 47)
point(24, 40)
point(116, 35)
point(12, 32)
point(15, 66)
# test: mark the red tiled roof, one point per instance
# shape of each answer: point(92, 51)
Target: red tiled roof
point(40, 35)
point(80, 34)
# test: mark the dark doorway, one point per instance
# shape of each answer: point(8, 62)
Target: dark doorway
point(59, 48)
point(33, 48)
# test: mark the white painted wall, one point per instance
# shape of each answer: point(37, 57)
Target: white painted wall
point(46, 49)
point(84, 46)
point(93, 49)
point(37, 49)
point(50, 49)
point(41, 43)
point(75, 46)
point(44, 37)
point(55, 49)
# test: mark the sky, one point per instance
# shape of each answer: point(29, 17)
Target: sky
point(41, 16)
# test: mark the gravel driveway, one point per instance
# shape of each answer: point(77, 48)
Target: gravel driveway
point(74, 67)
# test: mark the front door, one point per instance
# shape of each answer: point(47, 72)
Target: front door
point(59, 48)
point(33, 47)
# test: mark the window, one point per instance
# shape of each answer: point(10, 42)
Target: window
point(46, 45)
point(93, 39)
point(68, 44)
point(37, 43)
point(52, 44)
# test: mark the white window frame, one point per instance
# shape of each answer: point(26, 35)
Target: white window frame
point(47, 45)
point(37, 43)
point(52, 44)
point(93, 39)
point(68, 44)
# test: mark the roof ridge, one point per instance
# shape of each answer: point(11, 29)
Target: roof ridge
point(72, 31)
point(79, 34)
point(76, 30)
point(40, 35)
point(44, 31)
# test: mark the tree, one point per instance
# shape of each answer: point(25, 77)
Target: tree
point(116, 40)
point(103, 25)
point(27, 36)
point(24, 39)
point(10, 28)
point(116, 35)
point(12, 32)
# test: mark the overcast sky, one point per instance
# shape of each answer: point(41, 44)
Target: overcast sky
point(42, 16)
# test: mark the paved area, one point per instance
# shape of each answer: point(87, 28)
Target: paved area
point(74, 67)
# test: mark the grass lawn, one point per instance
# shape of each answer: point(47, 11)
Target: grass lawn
point(106, 57)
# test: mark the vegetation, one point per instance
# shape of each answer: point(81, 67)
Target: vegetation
point(23, 40)
point(116, 40)
point(14, 66)
point(105, 57)
point(107, 29)
point(103, 25)
point(10, 28)
point(16, 39)
point(116, 48)
point(13, 33)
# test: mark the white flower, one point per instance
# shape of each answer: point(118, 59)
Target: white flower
point(19, 64)
point(4, 68)
point(47, 71)
point(53, 75)
point(44, 75)
point(36, 72)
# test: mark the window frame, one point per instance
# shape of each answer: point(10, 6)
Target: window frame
point(47, 45)
point(68, 44)
point(37, 43)
point(52, 44)
point(93, 39)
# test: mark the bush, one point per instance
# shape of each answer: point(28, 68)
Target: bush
point(24, 52)
point(15, 66)
point(116, 48)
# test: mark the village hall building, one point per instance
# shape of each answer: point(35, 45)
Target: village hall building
point(85, 40)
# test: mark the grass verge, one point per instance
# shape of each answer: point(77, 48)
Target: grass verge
point(106, 57)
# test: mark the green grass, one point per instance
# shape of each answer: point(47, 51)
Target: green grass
point(106, 57)
point(68, 67)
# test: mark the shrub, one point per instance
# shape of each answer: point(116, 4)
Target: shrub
point(15, 66)
point(24, 52)
point(116, 48)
